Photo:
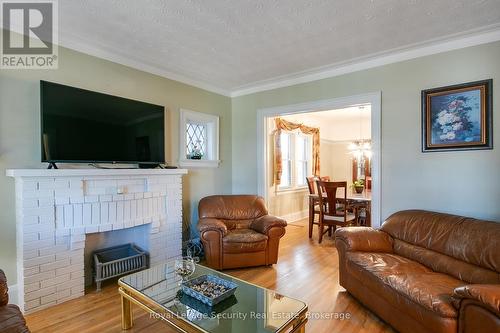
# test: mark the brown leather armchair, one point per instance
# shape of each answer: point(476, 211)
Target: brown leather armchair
point(425, 271)
point(11, 318)
point(237, 231)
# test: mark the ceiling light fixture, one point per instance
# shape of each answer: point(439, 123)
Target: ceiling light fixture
point(361, 148)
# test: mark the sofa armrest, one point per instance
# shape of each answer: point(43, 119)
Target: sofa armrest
point(487, 295)
point(264, 223)
point(4, 290)
point(364, 239)
point(211, 224)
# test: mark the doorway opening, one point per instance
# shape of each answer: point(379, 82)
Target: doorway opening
point(348, 150)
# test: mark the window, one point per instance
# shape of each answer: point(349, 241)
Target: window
point(196, 140)
point(296, 156)
point(199, 139)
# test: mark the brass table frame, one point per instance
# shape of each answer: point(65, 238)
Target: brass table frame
point(131, 296)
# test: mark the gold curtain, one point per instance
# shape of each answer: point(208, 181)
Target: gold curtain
point(282, 124)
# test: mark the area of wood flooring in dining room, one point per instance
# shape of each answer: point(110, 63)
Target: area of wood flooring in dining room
point(305, 270)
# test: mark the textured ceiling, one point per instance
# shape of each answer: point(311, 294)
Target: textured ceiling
point(351, 123)
point(232, 44)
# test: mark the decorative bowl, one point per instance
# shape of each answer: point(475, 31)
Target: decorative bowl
point(209, 289)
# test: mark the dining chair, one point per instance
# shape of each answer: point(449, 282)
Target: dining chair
point(314, 200)
point(334, 209)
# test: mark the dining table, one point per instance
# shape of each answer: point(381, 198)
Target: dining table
point(358, 201)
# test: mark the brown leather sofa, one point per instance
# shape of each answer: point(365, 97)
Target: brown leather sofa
point(237, 231)
point(425, 272)
point(11, 318)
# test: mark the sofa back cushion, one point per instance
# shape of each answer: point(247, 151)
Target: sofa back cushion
point(464, 247)
point(445, 264)
point(235, 210)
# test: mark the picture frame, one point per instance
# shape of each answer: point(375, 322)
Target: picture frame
point(458, 117)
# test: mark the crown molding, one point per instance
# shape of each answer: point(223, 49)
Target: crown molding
point(76, 43)
point(452, 42)
point(461, 40)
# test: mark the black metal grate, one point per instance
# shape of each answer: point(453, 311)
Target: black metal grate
point(118, 260)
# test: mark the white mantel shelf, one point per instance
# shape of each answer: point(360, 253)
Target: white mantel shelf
point(91, 172)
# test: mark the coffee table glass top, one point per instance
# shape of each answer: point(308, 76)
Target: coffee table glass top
point(251, 309)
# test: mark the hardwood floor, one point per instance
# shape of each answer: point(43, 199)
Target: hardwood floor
point(306, 270)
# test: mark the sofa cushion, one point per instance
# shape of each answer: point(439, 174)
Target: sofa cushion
point(244, 240)
point(12, 320)
point(400, 312)
point(466, 239)
point(408, 278)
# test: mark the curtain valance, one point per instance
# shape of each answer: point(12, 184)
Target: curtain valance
point(285, 125)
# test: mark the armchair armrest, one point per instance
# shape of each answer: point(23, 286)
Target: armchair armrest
point(4, 295)
point(363, 239)
point(488, 295)
point(264, 223)
point(211, 224)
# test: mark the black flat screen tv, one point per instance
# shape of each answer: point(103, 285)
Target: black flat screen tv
point(80, 126)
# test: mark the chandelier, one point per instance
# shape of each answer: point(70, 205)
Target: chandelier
point(361, 149)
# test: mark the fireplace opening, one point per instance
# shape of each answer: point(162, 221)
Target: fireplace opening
point(117, 261)
point(138, 236)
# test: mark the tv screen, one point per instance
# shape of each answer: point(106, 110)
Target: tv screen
point(84, 126)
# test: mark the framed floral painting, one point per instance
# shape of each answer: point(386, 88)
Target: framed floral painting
point(457, 117)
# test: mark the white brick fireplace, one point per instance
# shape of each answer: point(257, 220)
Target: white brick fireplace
point(55, 209)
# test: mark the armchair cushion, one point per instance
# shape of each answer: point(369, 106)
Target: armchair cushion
point(364, 239)
point(232, 207)
point(264, 223)
point(212, 224)
point(487, 294)
point(244, 240)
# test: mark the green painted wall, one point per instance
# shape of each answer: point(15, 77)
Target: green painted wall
point(20, 128)
point(465, 183)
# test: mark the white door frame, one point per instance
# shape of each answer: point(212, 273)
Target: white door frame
point(374, 98)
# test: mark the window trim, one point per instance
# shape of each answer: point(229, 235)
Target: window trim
point(308, 141)
point(212, 146)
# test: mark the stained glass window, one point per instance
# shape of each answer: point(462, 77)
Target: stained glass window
point(196, 140)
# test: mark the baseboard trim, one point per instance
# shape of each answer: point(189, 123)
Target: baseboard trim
point(296, 216)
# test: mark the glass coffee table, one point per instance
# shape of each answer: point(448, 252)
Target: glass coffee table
point(251, 309)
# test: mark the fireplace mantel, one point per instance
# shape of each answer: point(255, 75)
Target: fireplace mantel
point(57, 208)
point(91, 172)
